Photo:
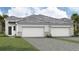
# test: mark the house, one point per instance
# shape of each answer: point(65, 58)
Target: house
point(38, 26)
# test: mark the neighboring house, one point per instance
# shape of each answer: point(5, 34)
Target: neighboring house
point(38, 26)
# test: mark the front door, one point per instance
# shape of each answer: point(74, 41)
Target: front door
point(9, 30)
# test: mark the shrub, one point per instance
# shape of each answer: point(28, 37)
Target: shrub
point(48, 35)
point(17, 36)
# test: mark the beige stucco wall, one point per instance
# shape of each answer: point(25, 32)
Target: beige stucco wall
point(46, 28)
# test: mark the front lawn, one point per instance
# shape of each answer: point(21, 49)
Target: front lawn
point(15, 44)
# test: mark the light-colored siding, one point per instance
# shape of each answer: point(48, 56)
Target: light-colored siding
point(18, 30)
point(47, 28)
point(6, 27)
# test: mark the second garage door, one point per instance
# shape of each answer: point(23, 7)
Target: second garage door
point(33, 32)
point(60, 32)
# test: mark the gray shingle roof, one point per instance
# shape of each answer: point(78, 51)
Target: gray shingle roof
point(44, 20)
point(40, 20)
point(14, 19)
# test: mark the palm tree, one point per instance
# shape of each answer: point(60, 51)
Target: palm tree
point(75, 18)
point(2, 22)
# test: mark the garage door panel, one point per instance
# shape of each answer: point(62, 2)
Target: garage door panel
point(33, 32)
point(60, 32)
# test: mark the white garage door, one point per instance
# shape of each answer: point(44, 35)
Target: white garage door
point(33, 32)
point(60, 32)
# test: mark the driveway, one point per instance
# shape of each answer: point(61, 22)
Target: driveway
point(53, 44)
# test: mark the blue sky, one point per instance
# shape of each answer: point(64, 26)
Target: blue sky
point(5, 9)
point(33, 10)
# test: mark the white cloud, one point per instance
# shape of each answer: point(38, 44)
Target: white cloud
point(37, 11)
point(54, 12)
point(50, 11)
point(19, 12)
point(22, 12)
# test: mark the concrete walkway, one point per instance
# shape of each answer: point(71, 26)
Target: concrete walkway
point(53, 44)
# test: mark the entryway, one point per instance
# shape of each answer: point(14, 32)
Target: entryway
point(11, 30)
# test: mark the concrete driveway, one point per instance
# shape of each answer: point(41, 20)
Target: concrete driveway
point(53, 44)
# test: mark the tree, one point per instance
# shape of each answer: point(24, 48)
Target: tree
point(2, 22)
point(75, 18)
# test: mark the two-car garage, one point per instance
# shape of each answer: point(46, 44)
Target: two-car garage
point(40, 31)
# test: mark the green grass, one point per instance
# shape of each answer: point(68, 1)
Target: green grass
point(15, 44)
